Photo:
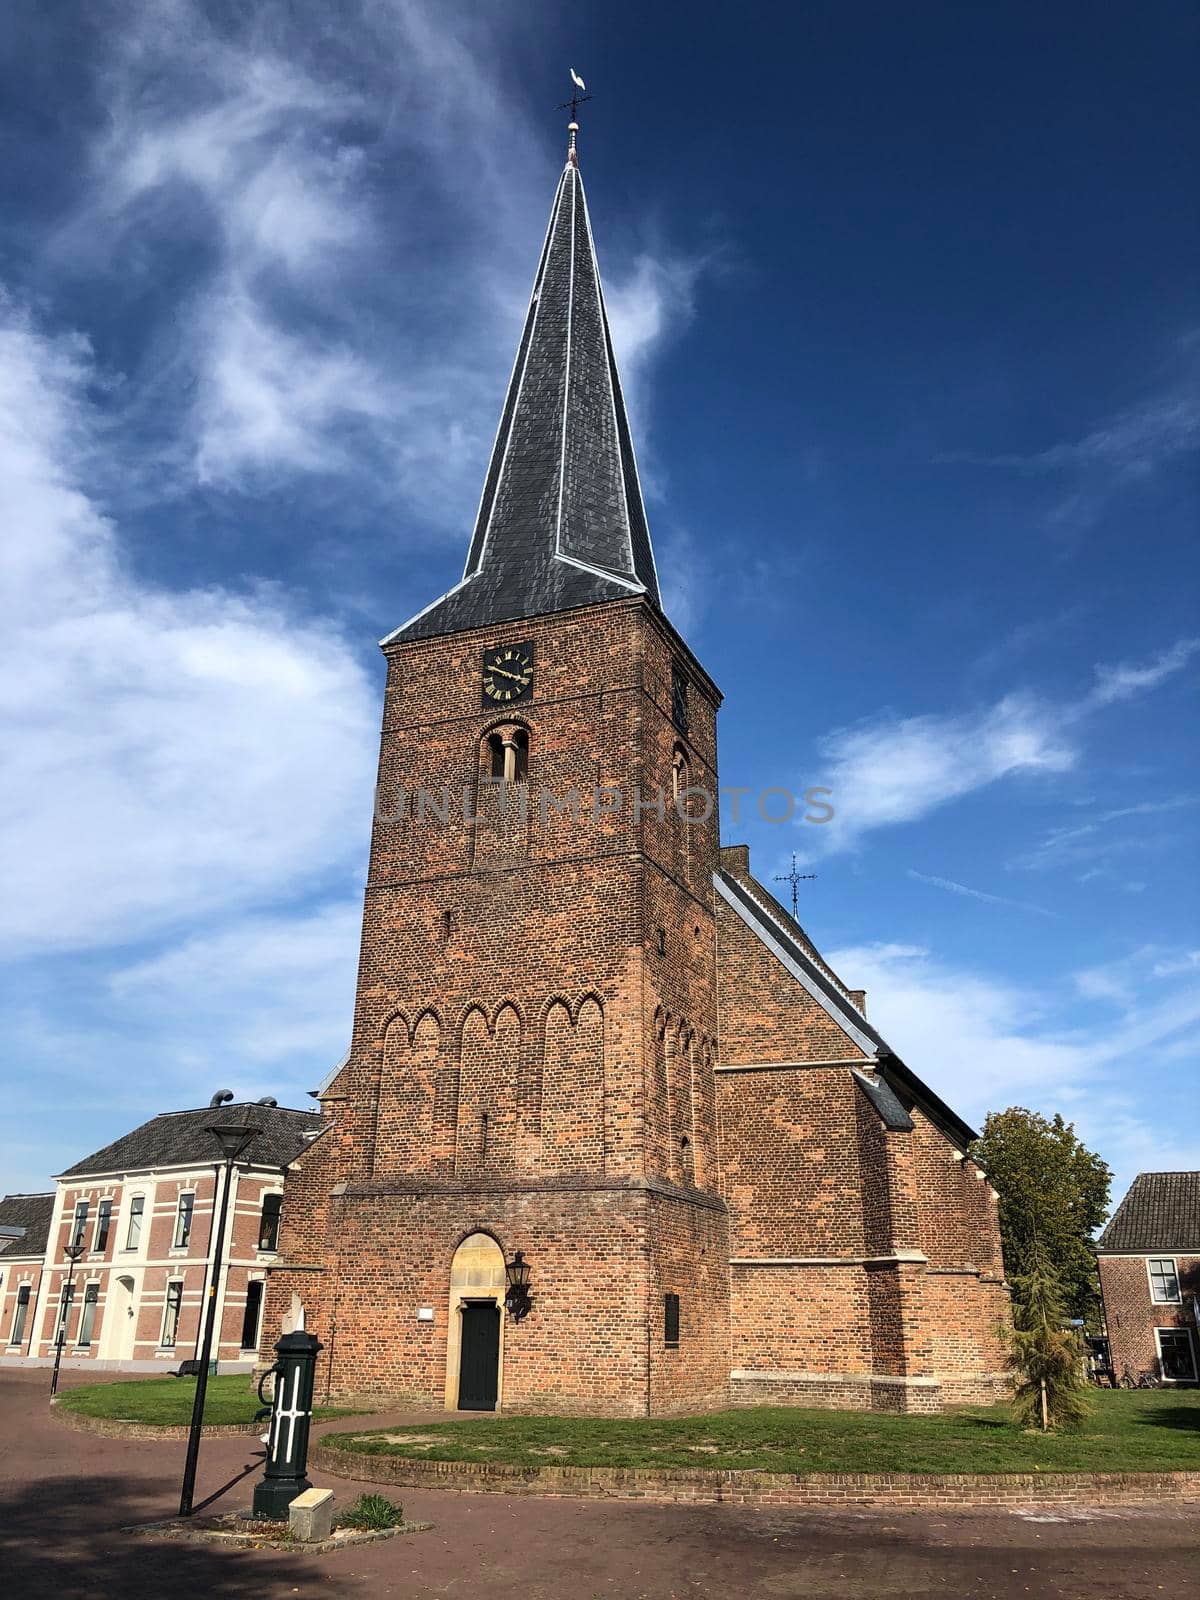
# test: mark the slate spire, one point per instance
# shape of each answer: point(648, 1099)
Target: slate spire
point(561, 522)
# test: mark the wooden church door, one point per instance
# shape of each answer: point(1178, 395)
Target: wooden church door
point(479, 1367)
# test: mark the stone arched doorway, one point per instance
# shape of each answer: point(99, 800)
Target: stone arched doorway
point(475, 1347)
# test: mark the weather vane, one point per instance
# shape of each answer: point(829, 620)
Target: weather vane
point(795, 879)
point(577, 99)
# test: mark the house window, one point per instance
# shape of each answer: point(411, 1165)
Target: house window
point(20, 1315)
point(79, 1226)
point(64, 1310)
point(1176, 1355)
point(268, 1227)
point(1164, 1281)
point(136, 1207)
point(183, 1221)
point(103, 1222)
point(254, 1295)
point(87, 1321)
point(671, 1321)
point(170, 1327)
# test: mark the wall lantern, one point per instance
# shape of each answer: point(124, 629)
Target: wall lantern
point(517, 1301)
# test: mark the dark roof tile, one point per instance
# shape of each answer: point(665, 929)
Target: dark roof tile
point(179, 1138)
point(562, 522)
point(1160, 1212)
point(31, 1212)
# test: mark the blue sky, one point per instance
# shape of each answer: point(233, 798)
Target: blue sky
point(906, 303)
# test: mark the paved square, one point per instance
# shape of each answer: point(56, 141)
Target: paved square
point(64, 1495)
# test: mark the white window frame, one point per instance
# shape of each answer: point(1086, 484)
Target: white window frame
point(262, 1300)
point(1180, 1327)
point(140, 1217)
point(184, 1194)
point(1156, 1300)
point(269, 1194)
point(97, 1247)
point(162, 1332)
point(80, 1342)
point(16, 1336)
point(79, 1223)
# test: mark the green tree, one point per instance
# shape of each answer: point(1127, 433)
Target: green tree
point(1045, 1358)
point(1053, 1196)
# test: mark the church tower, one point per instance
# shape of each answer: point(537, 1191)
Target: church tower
point(532, 1063)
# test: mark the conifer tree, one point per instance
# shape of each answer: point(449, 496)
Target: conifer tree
point(1045, 1358)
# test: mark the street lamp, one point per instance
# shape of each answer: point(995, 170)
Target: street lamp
point(235, 1139)
point(517, 1299)
point(72, 1251)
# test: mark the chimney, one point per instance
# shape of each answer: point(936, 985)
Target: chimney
point(858, 999)
point(735, 858)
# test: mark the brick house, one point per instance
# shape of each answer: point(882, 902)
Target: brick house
point(1149, 1260)
point(584, 1031)
point(24, 1230)
point(144, 1208)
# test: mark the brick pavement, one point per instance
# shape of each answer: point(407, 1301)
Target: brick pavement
point(64, 1495)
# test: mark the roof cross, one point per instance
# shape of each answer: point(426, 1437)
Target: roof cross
point(795, 879)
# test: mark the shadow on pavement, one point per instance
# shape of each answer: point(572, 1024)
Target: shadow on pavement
point(62, 1539)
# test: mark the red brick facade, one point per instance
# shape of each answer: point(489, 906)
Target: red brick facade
point(565, 1039)
point(131, 1267)
point(1133, 1317)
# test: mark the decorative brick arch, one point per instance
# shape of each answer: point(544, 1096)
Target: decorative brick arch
point(410, 1074)
point(572, 1100)
point(488, 1106)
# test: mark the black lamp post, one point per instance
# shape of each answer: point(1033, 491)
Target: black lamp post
point(235, 1139)
point(72, 1251)
point(517, 1300)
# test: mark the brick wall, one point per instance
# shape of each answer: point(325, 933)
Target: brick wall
point(534, 1035)
point(19, 1272)
point(1132, 1316)
point(132, 1271)
point(537, 1033)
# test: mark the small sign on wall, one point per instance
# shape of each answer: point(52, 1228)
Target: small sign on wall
point(424, 1313)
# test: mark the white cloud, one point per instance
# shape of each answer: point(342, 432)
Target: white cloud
point(167, 753)
point(278, 991)
point(274, 402)
point(898, 769)
point(977, 894)
point(649, 303)
point(361, 251)
point(984, 1043)
point(974, 1038)
point(1127, 679)
point(1133, 445)
point(1114, 832)
point(1171, 966)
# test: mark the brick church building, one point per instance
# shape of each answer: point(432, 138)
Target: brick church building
point(584, 1031)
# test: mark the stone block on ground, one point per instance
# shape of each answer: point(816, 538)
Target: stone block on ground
point(310, 1515)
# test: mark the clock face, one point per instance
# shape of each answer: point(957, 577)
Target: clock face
point(507, 674)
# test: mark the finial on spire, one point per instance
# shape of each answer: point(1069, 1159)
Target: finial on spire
point(577, 99)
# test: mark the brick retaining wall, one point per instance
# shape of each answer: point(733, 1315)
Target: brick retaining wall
point(114, 1428)
point(728, 1486)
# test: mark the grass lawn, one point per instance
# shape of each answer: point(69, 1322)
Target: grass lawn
point(1134, 1431)
point(168, 1401)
